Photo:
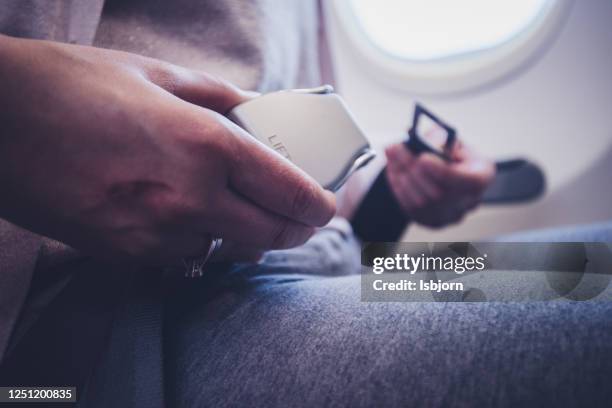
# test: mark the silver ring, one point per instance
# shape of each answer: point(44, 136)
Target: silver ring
point(194, 267)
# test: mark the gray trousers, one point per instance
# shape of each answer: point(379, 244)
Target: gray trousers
point(292, 331)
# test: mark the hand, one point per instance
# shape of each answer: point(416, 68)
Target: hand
point(433, 192)
point(131, 158)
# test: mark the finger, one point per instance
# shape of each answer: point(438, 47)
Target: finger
point(412, 189)
point(473, 172)
point(435, 169)
point(399, 158)
point(426, 184)
point(203, 89)
point(277, 185)
point(472, 175)
point(245, 223)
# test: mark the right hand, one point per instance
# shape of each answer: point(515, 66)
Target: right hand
point(434, 192)
point(126, 157)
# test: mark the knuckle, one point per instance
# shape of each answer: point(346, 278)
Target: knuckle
point(221, 84)
point(227, 94)
point(164, 75)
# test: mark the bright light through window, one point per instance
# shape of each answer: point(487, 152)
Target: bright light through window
point(423, 30)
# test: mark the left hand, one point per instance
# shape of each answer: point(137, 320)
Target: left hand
point(433, 192)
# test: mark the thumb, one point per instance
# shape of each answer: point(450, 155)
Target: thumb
point(274, 183)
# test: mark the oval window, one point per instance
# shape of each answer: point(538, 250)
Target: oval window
point(414, 44)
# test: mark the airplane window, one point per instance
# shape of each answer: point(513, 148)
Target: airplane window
point(423, 30)
point(445, 46)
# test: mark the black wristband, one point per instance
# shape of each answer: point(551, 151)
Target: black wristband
point(379, 217)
